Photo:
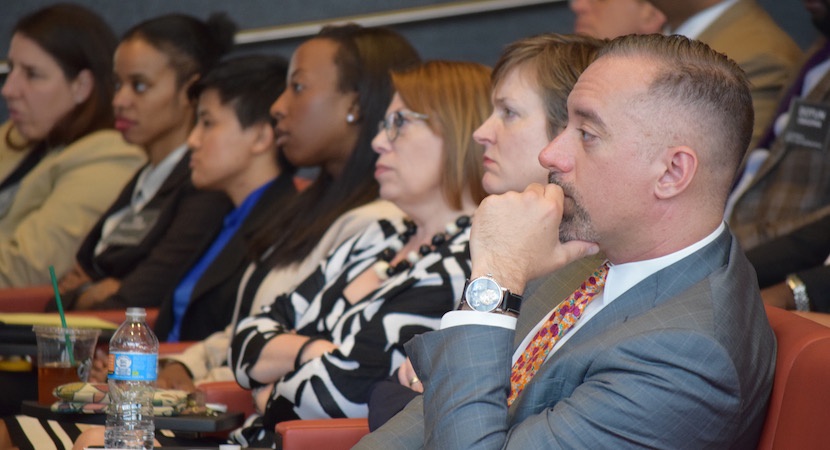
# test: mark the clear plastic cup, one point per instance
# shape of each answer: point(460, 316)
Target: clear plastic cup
point(64, 355)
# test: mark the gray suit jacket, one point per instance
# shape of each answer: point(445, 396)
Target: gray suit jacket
point(684, 359)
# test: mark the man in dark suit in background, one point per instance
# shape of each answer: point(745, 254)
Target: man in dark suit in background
point(790, 183)
point(667, 345)
point(743, 31)
point(785, 183)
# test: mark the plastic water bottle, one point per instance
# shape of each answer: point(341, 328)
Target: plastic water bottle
point(133, 359)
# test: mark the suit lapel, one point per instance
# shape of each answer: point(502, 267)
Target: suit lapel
point(818, 94)
point(552, 290)
point(176, 177)
point(89, 259)
point(179, 175)
point(645, 295)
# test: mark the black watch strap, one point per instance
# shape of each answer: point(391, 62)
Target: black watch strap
point(512, 303)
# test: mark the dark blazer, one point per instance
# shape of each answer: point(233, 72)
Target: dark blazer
point(212, 302)
point(187, 223)
point(683, 359)
point(802, 252)
point(747, 34)
point(791, 188)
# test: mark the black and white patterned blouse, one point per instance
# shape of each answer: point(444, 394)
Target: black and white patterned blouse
point(369, 334)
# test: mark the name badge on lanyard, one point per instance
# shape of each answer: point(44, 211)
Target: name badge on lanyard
point(808, 125)
point(133, 228)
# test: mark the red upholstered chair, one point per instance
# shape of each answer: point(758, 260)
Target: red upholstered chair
point(33, 299)
point(328, 434)
point(800, 402)
point(225, 392)
point(798, 409)
point(172, 348)
point(26, 299)
point(229, 393)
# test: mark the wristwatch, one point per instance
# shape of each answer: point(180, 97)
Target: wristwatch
point(486, 295)
point(802, 302)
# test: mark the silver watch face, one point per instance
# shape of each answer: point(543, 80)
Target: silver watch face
point(483, 294)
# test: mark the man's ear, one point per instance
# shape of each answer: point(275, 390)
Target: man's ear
point(81, 86)
point(264, 138)
point(679, 166)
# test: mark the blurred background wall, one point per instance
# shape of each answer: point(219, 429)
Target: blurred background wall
point(476, 36)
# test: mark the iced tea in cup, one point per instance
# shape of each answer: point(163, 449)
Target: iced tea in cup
point(64, 355)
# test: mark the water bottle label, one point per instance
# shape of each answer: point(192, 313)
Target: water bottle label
point(132, 366)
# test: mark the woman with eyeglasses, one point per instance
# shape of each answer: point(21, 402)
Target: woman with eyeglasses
point(315, 352)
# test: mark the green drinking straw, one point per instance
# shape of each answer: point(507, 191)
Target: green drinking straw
point(63, 316)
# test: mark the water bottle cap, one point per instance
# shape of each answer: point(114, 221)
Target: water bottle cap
point(136, 313)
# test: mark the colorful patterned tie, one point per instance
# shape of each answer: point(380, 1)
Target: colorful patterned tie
point(560, 322)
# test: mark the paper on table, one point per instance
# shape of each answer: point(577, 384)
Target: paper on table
point(54, 319)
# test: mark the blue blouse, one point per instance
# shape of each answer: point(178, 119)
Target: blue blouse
point(184, 290)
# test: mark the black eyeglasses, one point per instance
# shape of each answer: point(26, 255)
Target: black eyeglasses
point(394, 121)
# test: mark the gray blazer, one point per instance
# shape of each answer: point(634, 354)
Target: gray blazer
point(684, 359)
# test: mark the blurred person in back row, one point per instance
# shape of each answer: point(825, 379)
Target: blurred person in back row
point(785, 181)
point(789, 186)
point(607, 19)
point(745, 32)
point(62, 164)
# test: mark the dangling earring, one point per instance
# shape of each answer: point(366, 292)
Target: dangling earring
point(349, 118)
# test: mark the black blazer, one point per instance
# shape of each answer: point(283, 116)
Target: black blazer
point(212, 302)
point(187, 223)
point(801, 251)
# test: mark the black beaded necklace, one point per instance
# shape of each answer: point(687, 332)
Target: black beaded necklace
point(385, 270)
